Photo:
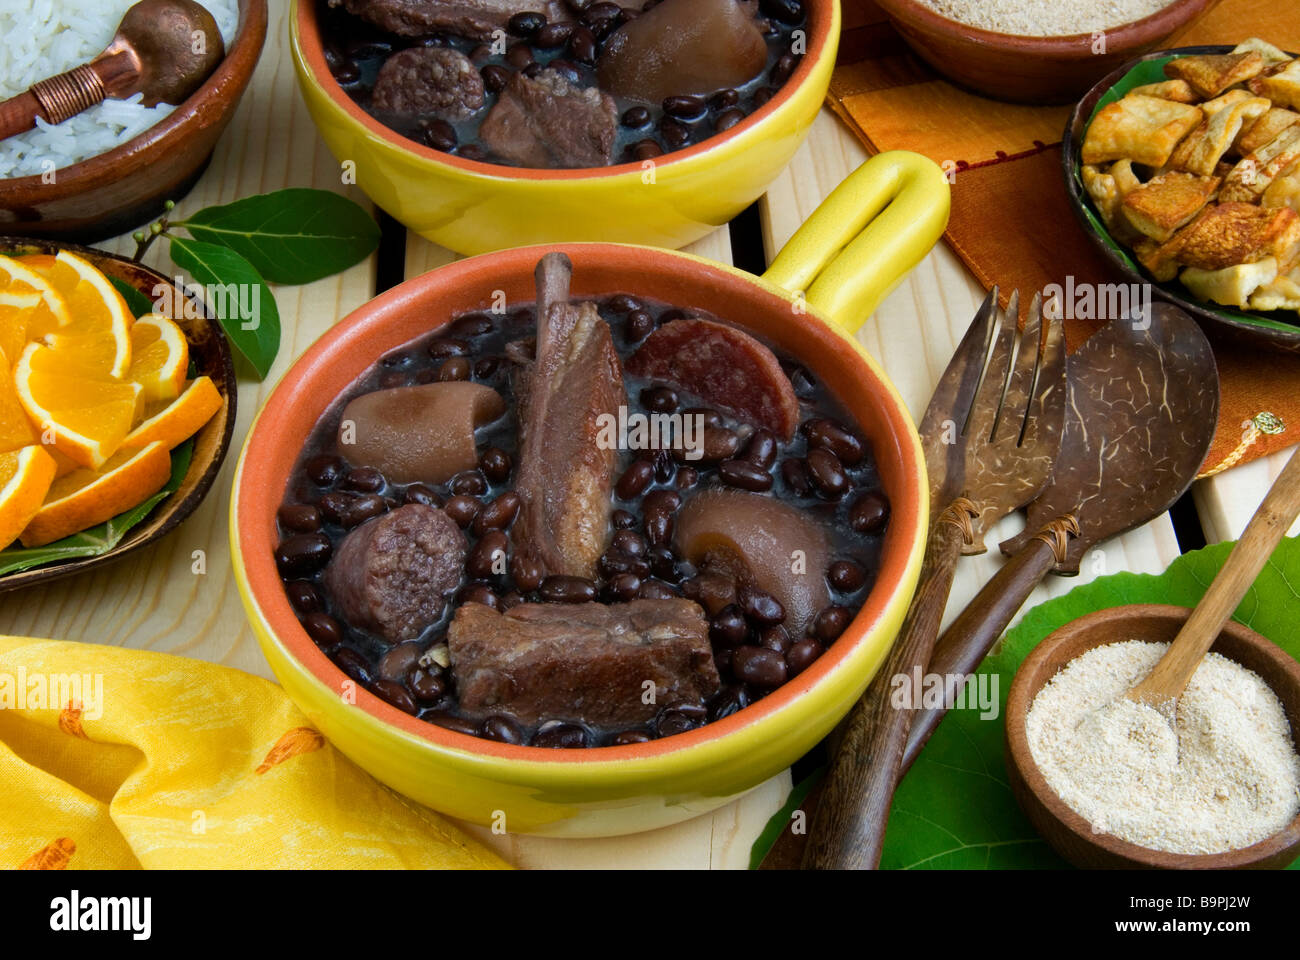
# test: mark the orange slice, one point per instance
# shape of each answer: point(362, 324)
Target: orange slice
point(84, 498)
point(88, 418)
point(180, 419)
point(159, 357)
point(97, 339)
point(16, 310)
point(49, 313)
point(25, 477)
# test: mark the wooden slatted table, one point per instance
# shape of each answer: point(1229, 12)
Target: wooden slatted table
point(153, 599)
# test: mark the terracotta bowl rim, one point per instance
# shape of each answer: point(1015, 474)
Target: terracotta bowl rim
point(823, 42)
point(260, 582)
point(237, 66)
point(1020, 697)
point(1125, 36)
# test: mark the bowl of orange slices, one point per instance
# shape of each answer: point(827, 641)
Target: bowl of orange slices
point(117, 405)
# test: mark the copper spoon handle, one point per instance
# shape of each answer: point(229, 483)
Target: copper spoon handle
point(53, 100)
point(1249, 554)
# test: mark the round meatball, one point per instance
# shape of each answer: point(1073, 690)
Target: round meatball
point(431, 81)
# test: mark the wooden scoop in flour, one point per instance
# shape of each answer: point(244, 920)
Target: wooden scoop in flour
point(1166, 682)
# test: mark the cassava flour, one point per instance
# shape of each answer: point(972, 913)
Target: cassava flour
point(1228, 778)
point(1046, 18)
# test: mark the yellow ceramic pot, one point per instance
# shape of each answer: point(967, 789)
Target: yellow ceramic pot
point(473, 207)
point(847, 256)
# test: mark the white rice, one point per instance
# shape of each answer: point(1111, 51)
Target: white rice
point(40, 38)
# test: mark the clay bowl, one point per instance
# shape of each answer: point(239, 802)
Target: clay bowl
point(1278, 330)
point(1069, 834)
point(111, 193)
point(1039, 70)
point(209, 354)
point(472, 207)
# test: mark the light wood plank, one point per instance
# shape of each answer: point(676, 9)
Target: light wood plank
point(1226, 502)
point(913, 335)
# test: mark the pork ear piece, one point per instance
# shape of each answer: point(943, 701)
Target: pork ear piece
point(565, 473)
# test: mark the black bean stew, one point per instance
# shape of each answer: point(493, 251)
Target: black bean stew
point(341, 515)
point(585, 86)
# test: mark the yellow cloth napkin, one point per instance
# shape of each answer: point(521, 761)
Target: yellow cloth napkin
point(114, 758)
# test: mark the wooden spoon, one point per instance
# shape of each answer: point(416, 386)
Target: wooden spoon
point(163, 49)
point(1267, 527)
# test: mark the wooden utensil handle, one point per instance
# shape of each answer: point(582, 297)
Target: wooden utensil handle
point(849, 826)
point(18, 114)
point(1266, 529)
point(969, 638)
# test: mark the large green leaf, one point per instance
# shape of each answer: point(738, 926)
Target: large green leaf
point(291, 236)
point(136, 302)
point(233, 288)
point(103, 538)
point(954, 808)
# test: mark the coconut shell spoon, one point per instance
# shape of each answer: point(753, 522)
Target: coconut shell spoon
point(163, 49)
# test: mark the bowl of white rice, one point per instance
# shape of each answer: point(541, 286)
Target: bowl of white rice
point(1035, 51)
point(114, 166)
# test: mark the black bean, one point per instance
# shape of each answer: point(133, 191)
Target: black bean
point(724, 99)
point(827, 473)
point(520, 56)
point(760, 606)
point(511, 599)
point(795, 474)
point(532, 70)
point(553, 35)
point(664, 563)
point(719, 444)
point(346, 72)
point(449, 721)
point(302, 517)
point(454, 369)
point(729, 628)
point(349, 511)
point(759, 667)
point(395, 694)
point(612, 563)
point(560, 736)
point(658, 509)
point(444, 347)
point(634, 118)
point(602, 11)
point(674, 132)
point(782, 69)
point(762, 95)
point(399, 661)
point(775, 637)
point(304, 596)
point(679, 719)
point(743, 474)
point(664, 466)
point(427, 683)
point(638, 325)
point(495, 464)
point(688, 109)
point(582, 45)
point(470, 325)
point(801, 380)
point(728, 119)
point(472, 151)
point(499, 514)
point(526, 571)
point(625, 586)
point(501, 729)
point(352, 663)
point(485, 368)
point(439, 134)
point(363, 480)
point(479, 593)
point(687, 477)
point(495, 78)
point(577, 6)
point(846, 576)
point(420, 493)
point(786, 11)
point(635, 479)
point(830, 623)
point(567, 69)
point(629, 542)
point(324, 469)
point(463, 510)
point(656, 590)
point(323, 629)
point(727, 701)
point(622, 520)
point(659, 399)
point(626, 737)
point(489, 556)
point(722, 660)
point(822, 432)
point(799, 657)
point(564, 589)
point(647, 149)
point(303, 554)
point(525, 24)
point(468, 483)
point(623, 303)
point(761, 448)
point(869, 513)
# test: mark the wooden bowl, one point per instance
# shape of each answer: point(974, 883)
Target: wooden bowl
point(115, 191)
point(1067, 832)
point(1279, 330)
point(1041, 70)
point(209, 354)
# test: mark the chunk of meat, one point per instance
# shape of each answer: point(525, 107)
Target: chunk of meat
point(723, 366)
point(475, 19)
point(429, 80)
point(546, 122)
point(392, 574)
point(565, 474)
point(683, 47)
point(758, 540)
point(418, 434)
point(581, 662)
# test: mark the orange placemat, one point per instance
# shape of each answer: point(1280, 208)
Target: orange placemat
point(1011, 222)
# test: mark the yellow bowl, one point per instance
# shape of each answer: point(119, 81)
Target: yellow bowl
point(473, 207)
point(846, 257)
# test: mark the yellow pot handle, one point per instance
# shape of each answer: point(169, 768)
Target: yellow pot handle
point(865, 237)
